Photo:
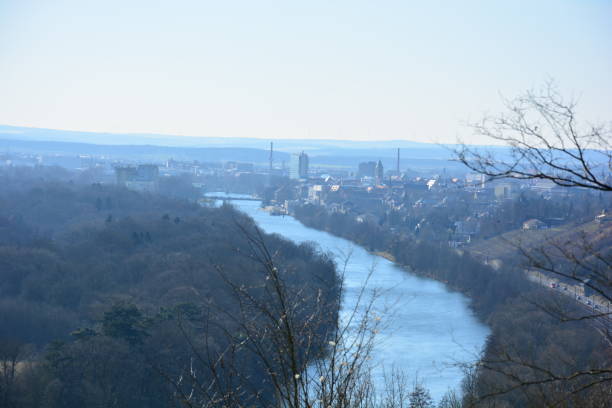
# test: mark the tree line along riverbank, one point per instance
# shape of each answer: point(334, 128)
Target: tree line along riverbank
point(526, 340)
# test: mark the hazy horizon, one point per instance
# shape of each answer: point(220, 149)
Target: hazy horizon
point(40, 134)
point(273, 70)
point(153, 136)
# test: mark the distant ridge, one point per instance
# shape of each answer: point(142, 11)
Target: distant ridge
point(139, 152)
point(103, 138)
point(154, 147)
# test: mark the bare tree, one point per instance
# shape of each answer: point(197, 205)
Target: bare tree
point(584, 262)
point(10, 354)
point(543, 140)
point(546, 142)
point(302, 366)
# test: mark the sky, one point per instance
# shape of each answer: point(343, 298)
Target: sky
point(359, 70)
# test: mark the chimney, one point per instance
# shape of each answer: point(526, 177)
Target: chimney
point(271, 156)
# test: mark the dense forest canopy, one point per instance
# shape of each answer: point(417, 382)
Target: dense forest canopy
point(96, 278)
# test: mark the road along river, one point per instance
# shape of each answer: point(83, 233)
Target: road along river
point(428, 329)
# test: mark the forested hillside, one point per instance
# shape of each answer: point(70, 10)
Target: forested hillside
point(528, 339)
point(106, 294)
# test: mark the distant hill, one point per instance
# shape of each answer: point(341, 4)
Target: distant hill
point(347, 154)
point(153, 147)
point(141, 152)
point(290, 145)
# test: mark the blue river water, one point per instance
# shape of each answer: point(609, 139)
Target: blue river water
point(427, 330)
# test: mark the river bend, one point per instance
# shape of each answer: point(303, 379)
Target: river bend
point(430, 328)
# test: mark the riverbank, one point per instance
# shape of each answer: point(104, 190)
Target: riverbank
point(385, 255)
point(428, 328)
point(503, 298)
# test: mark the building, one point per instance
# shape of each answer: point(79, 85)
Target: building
point(145, 177)
point(475, 180)
point(503, 191)
point(239, 167)
point(380, 172)
point(534, 224)
point(603, 218)
point(298, 168)
point(366, 169)
point(469, 226)
point(315, 193)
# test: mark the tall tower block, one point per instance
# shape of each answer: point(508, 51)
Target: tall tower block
point(398, 161)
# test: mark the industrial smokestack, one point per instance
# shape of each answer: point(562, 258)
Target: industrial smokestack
point(271, 156)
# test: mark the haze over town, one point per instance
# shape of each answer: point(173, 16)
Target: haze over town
point(266, 204)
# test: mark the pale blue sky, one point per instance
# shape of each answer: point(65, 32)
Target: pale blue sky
point(363, 70)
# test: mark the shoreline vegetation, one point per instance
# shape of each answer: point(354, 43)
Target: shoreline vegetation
point(507, 302)
point(99, 282)
point(385, 255)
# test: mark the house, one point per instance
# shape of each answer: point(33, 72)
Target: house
point(145, 177)
point(458, 240)
point(502, 190)
point(603, 218)
point(315, 193)
point(367, 218)
point(534, 224)
point(469, 226)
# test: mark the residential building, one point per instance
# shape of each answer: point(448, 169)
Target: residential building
point(366, 169)
point(145, 177)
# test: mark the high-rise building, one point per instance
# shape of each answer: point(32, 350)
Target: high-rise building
point(380, 172)
point(298, 168)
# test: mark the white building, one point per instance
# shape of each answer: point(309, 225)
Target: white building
point(298, 168)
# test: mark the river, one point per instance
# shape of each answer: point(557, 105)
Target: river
point(427, 330)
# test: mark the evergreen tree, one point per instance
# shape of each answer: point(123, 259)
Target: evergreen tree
point(420, 397)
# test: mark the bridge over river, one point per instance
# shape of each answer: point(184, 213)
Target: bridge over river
point(213, 197)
